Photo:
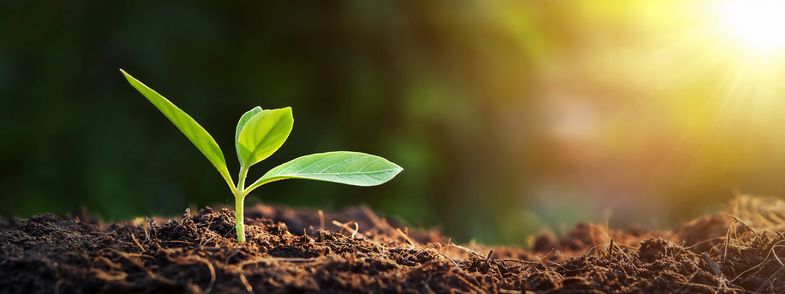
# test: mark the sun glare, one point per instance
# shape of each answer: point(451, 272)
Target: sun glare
point(758, 25)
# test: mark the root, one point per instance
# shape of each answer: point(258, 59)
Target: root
point(198, 259)
point(345, 226)
point(133, 237)
point(150, 273)
point(765, 259)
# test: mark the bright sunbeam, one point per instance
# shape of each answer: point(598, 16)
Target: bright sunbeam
point(758, 25)
point(751, 40)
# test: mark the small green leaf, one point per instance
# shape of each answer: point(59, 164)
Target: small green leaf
point(351, 168)
point(263, 134)
point(187, 125)
point(240, 124)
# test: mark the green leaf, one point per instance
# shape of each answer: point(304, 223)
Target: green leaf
point(187, 125)
point(263, 134)
point(351, 168)
point(240, 124)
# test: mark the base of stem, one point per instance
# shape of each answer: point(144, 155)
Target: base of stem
point(239, 219)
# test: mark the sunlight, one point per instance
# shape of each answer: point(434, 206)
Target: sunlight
point(758, 25)
point(750, 39)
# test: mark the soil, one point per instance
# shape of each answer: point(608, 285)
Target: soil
point(289, 250)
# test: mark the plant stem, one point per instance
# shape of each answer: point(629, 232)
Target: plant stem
point(239, 199)
point(239, 218)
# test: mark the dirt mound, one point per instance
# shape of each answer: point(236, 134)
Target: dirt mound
point(291, 250)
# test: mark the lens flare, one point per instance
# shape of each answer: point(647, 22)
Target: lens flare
point(758, 25)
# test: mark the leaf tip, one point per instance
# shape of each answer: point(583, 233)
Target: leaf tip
point(397, 168)
point(128, 76)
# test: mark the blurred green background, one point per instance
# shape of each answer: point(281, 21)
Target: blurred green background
point(508, 116)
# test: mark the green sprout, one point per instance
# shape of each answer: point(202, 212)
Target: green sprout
point(260, 132)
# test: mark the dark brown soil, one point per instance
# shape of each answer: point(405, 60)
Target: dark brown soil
point(289, 250)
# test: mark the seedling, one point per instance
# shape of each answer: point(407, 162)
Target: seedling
point(260, 132)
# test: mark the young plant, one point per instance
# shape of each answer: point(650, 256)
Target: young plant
point(260, 132)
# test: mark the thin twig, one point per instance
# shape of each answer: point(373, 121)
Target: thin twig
point(405, 237)
point(727, 242)
point(133, 237)
point(712, 265)
point(321, 218)
point(745, 225)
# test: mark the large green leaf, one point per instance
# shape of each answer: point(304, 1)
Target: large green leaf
point(263, 134)
point(187, 125)
point(240, 124)
point(351, 168)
